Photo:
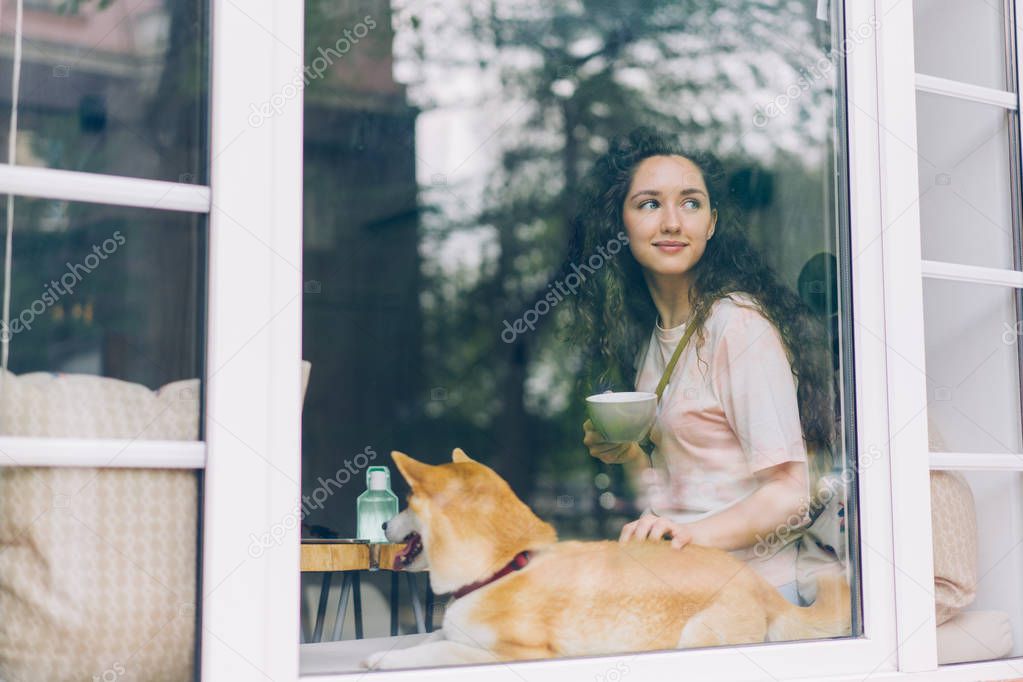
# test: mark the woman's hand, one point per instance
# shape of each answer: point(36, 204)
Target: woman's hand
point(609, 453)
point(649, 526)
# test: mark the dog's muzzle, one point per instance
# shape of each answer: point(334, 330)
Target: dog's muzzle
point(412, 549)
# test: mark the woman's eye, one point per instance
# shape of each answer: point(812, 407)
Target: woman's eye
point(649, 203)
point(691, 203)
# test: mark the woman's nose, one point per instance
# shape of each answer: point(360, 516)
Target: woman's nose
point(671, 219)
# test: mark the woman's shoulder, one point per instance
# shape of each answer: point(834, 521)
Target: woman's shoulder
point(737, 320)
point(734, 305)
point(737, 313)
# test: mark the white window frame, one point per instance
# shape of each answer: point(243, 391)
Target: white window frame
point(251, 456)
point(904, 274)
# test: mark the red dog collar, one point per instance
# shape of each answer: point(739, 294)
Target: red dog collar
point(516, 564)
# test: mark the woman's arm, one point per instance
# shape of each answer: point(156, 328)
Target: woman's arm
point(769, 514)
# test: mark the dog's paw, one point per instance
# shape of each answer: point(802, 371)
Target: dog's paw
point(374, 660)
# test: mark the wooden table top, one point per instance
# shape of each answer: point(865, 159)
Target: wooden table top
point(326, 556)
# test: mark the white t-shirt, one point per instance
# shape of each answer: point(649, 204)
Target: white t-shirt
point(721, 419)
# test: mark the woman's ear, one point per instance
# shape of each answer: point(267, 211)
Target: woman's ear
point(713, 222)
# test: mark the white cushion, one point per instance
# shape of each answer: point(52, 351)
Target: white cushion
point(974, 636)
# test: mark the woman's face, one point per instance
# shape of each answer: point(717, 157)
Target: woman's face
point(667, 215)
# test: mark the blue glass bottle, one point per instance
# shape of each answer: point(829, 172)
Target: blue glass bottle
point(376, 506)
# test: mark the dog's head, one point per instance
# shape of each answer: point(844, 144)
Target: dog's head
point(463, 522)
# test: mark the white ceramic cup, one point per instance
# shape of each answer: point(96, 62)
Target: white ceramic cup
point(623, 416)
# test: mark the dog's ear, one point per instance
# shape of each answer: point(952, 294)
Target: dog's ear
point(458, 455)
point(413, 471)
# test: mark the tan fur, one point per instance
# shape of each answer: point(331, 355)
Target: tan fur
point(581, 598)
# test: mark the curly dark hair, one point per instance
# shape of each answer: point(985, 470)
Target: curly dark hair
point(614, 311)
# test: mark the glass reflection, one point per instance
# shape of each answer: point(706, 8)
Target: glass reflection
point(109, 86)
point(445, 147)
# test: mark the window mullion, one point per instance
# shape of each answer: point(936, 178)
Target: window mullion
point(973, 274)
point(50, 183)
point(967, 91)
point(21, 451)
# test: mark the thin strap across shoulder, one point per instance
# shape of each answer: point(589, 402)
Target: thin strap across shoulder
point(647, 444)
point(674, 360)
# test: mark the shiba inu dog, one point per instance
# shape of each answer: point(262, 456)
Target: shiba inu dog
point(520, 594)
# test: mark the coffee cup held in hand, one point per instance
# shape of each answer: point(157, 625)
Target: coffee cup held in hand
point(623, 416)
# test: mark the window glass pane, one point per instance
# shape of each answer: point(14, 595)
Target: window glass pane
point(458, 231)
point(972, 340)
point(963, 41)
point(106, 322)
point(978, 558)
point(97, 573)
point(965, 182)
point(114, 86)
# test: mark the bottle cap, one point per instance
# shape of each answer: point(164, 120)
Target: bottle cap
point(378, 479)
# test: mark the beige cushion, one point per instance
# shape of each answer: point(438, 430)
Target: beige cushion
point(85, 406)
point(954, 536)
point(98, 566)
point(975, 636)
point(954, 532)
point(97, 569)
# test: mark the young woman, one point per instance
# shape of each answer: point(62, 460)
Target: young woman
point(751, 394)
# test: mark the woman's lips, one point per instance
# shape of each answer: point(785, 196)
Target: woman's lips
point(670, 247)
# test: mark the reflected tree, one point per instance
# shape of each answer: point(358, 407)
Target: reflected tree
point(128, 107)
point(554, 82)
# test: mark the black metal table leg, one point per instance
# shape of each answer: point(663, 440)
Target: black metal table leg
point(394, 603)
point(417, 606)
point(321, 609)
point(429, 606)
point(303, 615)
point(357, 598)
point(342, 606)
